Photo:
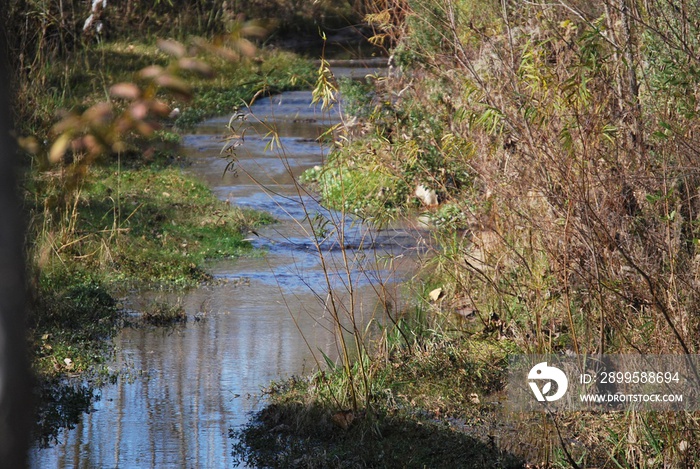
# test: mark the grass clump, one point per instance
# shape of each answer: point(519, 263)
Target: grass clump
point(164, 314)
point(421, 404)
point(72, 318)
point(272, 72)
point(71, 321)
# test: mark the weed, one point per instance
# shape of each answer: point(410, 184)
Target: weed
point(164, 314)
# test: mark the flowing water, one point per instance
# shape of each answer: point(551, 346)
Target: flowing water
point(182, 389)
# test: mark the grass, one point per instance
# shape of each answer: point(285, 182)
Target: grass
point(84, 77)
point(273, 72)
point(281, 440)
point(147, 225)
point(141, 226)
point(71, 320)
point(164, 314)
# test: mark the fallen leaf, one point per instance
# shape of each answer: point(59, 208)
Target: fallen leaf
point(343, 419)
point(436, 294)
point(59, 147)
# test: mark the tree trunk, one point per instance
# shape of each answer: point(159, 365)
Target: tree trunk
point(15, 381)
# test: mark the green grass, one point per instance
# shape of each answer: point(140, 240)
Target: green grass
point(354, 181)
point(149, 225)
point(281, 440)
point(72, 318)
point(84, 77)
point(236, 84)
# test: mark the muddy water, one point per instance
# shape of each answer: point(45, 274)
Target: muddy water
point(182, 389)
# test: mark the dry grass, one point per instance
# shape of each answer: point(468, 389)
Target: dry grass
point(575, 228)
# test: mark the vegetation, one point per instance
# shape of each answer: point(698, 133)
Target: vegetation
point(559, 142)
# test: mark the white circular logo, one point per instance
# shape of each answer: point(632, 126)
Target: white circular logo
point(549, 373)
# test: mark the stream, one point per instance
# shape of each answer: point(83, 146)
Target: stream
point(181, 389)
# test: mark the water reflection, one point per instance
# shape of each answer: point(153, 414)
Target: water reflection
point(191, 384)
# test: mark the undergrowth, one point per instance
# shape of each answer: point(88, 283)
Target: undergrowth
point(421, 402)
point(549, 150)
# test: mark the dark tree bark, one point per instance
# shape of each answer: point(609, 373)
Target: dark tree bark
point(15, 381)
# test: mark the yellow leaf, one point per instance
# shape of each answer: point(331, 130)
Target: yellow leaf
point(29, 144)
point(59, 147)
point(151, 71)
point(253, 29)
point(197, 66)
point(174, 85)
point(159, 108)
point(99, 114)
point(435, 294)
point(246, 47)
point(68, 123)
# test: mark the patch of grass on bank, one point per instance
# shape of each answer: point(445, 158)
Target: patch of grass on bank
point(71, 319)
point(84, 77)
point(146, 225)
point(422, 402)
point(236, 84)
point(134, 227)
